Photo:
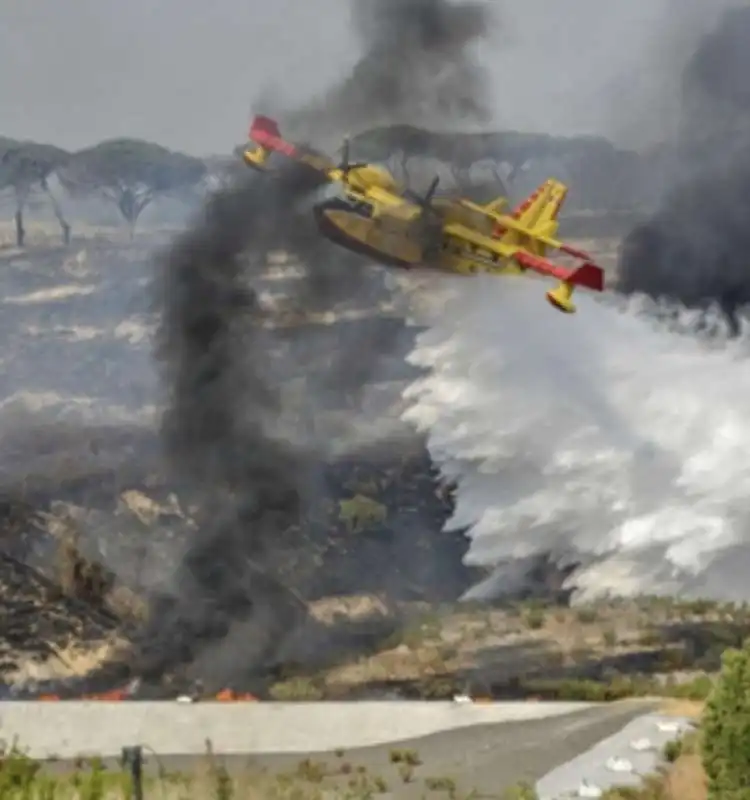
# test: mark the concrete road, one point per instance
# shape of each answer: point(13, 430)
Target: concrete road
point(483, 748)
point(72, 728)
point(621, 759)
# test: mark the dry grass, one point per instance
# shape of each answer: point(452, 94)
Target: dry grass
point(682, 778)
point(607, 652)
point(308, 779)
point(685, 780)
point(686, 709)
point(46, 233)
point(331, 610)
point(75, 661)
point(646, 644)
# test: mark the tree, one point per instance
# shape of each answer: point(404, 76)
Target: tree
point(130, 173)
point(397, 142)
point(725, 729)
point(601, 175)
point(223, 170)
point(24, 165)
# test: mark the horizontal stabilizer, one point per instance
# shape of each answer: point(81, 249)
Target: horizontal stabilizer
point(588, 275)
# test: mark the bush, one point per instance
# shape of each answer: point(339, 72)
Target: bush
point(535, 618)
point(726, 729)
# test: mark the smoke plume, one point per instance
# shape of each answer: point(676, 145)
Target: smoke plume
point(248, 461)
point(693, 250)
point(417, 67)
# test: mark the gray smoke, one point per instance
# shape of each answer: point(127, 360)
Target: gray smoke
point(418, 67)
point(225, 429)
point(694, 249)
point(245, 483)
point(245, 458)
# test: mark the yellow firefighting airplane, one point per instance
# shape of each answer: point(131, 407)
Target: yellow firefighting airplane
point(376, 216)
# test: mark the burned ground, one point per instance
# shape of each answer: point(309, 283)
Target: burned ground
point(93, 523)
point(92, 526)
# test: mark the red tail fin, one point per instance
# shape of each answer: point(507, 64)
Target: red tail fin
point(264, 126)
point(265, 132)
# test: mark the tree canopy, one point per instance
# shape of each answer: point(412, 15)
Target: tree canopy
point(510, 146)
point(601, 175)
point(130, 173)
point(24, 165)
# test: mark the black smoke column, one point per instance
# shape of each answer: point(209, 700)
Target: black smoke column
point(696, 249)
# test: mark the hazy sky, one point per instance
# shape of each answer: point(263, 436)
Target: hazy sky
point(185, 72)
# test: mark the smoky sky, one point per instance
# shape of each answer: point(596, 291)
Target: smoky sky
point(78, 72)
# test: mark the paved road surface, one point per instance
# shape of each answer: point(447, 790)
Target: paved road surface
point(488, 748)
point(68, 729)
point(618, 760)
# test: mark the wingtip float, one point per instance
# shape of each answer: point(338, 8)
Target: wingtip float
point(376, 216)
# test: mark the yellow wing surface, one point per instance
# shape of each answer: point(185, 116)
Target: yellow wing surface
point(519, 241)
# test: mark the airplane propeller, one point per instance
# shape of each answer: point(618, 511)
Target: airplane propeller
point(345, 165)
point(425, 201)
point(430, 193)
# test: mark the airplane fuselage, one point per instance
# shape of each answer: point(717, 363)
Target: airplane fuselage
point(354, 229)
point(402, 243)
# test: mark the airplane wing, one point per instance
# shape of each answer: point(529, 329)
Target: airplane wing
point(490, 254)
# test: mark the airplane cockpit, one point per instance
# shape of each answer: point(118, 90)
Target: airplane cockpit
point(333, 196)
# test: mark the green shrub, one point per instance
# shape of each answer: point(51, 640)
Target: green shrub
point(535, 618)
point(521, 791)
point(725, 729)
point(672, 750)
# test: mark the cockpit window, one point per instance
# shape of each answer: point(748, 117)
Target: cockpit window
point(363, 209)
point(332, 195)
point(331, 191)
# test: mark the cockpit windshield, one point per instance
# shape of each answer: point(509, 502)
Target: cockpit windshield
point(331, 191)
point(332, 195)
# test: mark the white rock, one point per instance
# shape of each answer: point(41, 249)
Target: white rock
point(669, 726)
point(641, 745)
point(587, 789)
point(619, 765)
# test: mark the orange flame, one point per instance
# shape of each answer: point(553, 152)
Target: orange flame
point(112, 695)
point(118, 695)
point(230, 696)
